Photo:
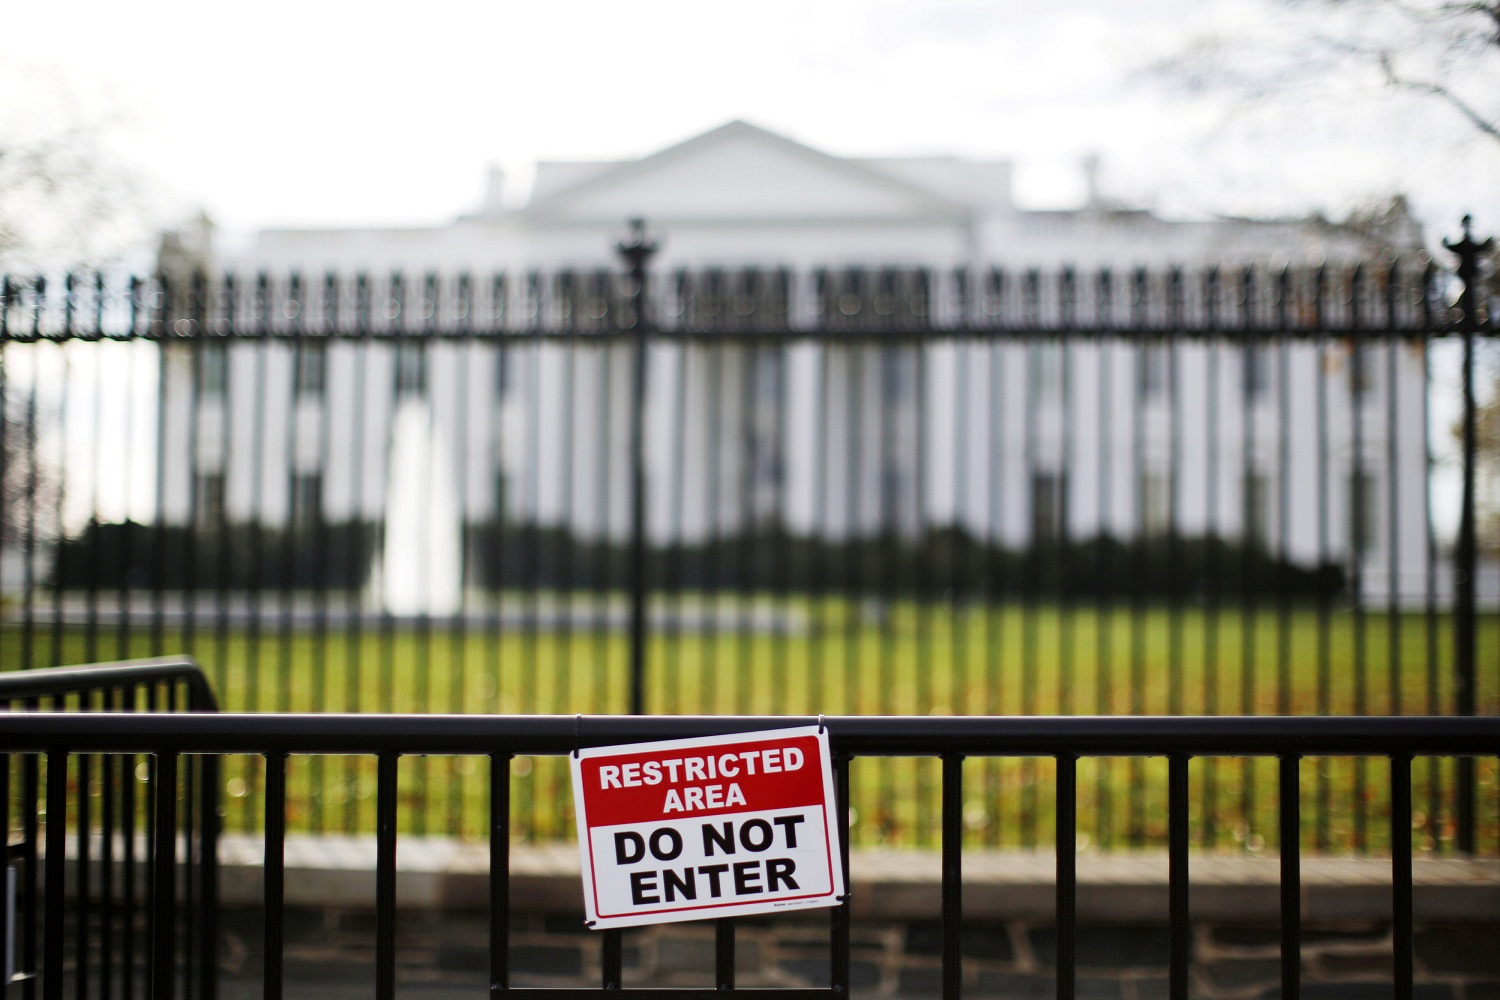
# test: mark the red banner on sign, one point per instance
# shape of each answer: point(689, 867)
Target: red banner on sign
point(708, 781)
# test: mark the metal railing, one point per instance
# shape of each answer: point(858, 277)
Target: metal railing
point(138, 857)
point(848, 490)
point(172, 740)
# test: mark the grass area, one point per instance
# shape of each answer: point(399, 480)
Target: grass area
point(840, 657)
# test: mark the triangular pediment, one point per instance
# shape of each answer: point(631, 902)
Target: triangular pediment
point(740, 173)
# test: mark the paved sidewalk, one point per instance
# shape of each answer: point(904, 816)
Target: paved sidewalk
point(438, 872)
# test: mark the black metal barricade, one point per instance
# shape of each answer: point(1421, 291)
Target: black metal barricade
point(170, 740)
point(114, 875)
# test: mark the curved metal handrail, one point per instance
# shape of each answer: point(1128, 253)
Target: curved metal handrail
point(20, 685)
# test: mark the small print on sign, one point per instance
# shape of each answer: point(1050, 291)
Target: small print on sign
point(717, 827)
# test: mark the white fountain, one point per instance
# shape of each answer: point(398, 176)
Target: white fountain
point(421, 566)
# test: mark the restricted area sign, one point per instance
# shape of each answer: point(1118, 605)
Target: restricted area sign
point(715, 827)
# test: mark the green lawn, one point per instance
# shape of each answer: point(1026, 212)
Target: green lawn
point(838, 658)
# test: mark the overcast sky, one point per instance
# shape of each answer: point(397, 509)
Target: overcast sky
point(302, 112)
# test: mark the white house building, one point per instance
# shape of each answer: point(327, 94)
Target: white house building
point(1316, 449)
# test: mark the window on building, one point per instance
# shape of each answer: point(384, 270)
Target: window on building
point(411, 368)
point(505, 372)
point(767, 366)
point(1257, 509)
point(1256, 359)
point(1361, 368)
point(212, 371)
point(1155, 498)
point(763, 430)
point(1049, 503)
point(502, 495)
point(895, 496)
point(898, 375)
point(1152, 370)
point(311, 362)
point(208, 501)
point(1046, 371)
point(1364, 499)
point(307, 499)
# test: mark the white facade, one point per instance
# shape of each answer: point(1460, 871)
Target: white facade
point(849, 441)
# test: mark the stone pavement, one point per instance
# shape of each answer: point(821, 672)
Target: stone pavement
point(1008, 941)
point(440, 872)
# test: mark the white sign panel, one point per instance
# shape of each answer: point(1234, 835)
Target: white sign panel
point(717, 827)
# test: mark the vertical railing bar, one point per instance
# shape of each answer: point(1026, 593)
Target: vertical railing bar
point(1290, 806)
point(463, 353)
point(127, 868)
point(747, 542)
point(190, 860)
point(91, 594)
point(53, 883)
point(958, 585)
point(274, 880)
point(1471, 302)
point(1393, 617)
point(30, 792)
point(637, 252)
point(1284, 493)
point(1252, 348)
point(1037, 541)
point(1212, 518)
point(1324, 609)
point(952, 889)
point(672, 575)
point(226, 564)
point(724, 953)
point(208, 873)
point(1401, 888)
point(1175, 312)
point(1139, 301)
point(108, 768)
point(1429, 559)
point(1360, 528)
point(7, 928)
point(158, 557)
point(60, 570)
point(1177, 834)
point(507, 386)
point(611, 958)
point(82, 887)
point(164, 870)
point(602, 563)
point(1104, 567)
point(1068, 301)
point(385, 876)
point(499, 873)
point(353, 603)
point(840, 916)
point(1067, 873)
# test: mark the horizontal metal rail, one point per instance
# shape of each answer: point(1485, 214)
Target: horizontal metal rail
point(905, 736)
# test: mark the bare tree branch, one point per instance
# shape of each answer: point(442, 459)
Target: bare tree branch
point(1438, 90)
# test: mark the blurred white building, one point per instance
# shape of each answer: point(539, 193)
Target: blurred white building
point(1003, 439)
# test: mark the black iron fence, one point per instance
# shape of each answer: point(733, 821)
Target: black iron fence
point(111, 861)
point(850, 490)
point(494, 743)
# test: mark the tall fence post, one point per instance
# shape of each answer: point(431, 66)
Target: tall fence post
point(637, 250)
point(1470, 305)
